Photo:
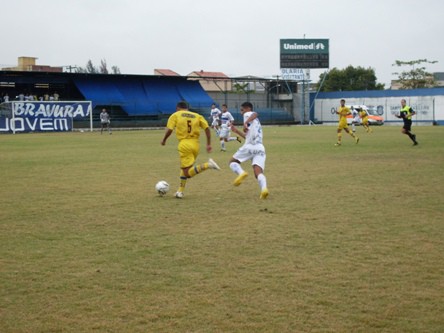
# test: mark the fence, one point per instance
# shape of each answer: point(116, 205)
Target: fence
point(270, 109)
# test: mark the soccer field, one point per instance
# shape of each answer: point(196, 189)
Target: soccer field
point(351, 238)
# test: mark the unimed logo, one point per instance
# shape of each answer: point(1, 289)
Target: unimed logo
point(304, 53)
point(310, 46)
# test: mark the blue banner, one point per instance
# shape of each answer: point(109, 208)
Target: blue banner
point(43, 116)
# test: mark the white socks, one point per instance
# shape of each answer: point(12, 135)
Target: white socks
point(236, 168)
point(262, 181)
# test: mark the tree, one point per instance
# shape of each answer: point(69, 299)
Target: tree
point(115, 70)
point(348, 79)
point(80, 69)
point(415, 77)
point(90, 68)
point(102, 69)
point(240, 88)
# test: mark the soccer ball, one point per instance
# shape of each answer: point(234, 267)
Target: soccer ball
point(162, 187)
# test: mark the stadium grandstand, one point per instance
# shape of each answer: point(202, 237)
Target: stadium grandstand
point(148, 100)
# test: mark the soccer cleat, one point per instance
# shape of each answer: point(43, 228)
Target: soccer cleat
point(238, 139)
point(337, 144)
point(179, 195)
point(213, 165)
point(264, 194)
point(239, 179)
point(223, 149)
point(357, 140)
point(415, 143)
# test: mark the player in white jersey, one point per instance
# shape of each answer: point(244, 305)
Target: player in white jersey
point(226, 120)
point(252, 149)
point(214, 118)
point(356, 118)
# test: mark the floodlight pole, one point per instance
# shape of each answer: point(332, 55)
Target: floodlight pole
point(303, 98)
point(319, 89)
point(305, 90)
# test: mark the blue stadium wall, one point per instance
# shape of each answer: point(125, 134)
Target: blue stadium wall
point(428, 103)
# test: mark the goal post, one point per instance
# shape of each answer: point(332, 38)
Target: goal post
point(39, 116)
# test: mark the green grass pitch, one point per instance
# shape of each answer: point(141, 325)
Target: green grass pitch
point(351, 238)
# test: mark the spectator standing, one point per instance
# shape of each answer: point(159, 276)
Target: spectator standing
point(105, 121)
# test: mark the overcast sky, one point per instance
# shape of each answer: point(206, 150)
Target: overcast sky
point(237, 37)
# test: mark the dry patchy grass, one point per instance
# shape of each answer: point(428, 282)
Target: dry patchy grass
point(350, 240)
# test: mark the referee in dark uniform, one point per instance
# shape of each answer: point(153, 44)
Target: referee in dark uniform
point(406, 114)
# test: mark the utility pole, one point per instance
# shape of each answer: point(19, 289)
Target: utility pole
point(70, 68)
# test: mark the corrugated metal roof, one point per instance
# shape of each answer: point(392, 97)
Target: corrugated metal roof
point(166, 72)
point(213, 75)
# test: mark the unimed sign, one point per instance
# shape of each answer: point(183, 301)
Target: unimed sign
point(304, 53)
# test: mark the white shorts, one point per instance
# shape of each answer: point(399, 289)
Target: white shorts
point(224, 132)
point(255, 153)
point(215, 122)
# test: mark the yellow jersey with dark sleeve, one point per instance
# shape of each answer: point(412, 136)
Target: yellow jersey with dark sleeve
point(187, 124)
point(343, 112)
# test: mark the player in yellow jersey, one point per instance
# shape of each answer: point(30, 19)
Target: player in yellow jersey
point(343, 111)
point(364, 119)
point(188, 125)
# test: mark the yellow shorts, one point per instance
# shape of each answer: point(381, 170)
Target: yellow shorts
point(342, 125)
point(188, 151)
